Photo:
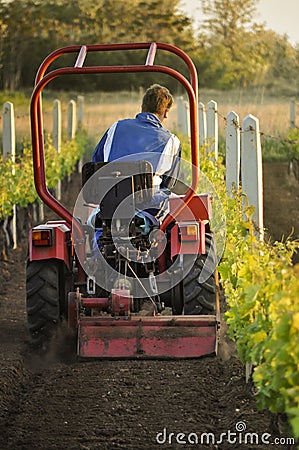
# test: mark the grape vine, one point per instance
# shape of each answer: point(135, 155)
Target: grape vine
point(261, 287)
point(16, 179)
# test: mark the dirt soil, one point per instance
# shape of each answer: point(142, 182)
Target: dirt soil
point(57, 402)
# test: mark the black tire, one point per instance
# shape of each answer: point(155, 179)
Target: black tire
point(42, 300)
point(200, 287)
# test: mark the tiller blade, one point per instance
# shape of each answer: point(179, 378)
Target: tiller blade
point(147, 337)
point(134, 336)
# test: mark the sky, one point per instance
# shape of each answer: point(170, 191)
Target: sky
point(281, 16)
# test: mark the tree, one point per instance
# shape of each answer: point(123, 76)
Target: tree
point(16, 25)
point(226, 18)
point(233, 46)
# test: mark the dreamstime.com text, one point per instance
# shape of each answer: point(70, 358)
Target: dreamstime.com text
point(234, 437)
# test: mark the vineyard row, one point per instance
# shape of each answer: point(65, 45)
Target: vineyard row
point(261, 285)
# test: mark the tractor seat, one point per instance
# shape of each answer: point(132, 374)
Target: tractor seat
point(110, 184)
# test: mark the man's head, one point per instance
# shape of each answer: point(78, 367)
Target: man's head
point(157, 100)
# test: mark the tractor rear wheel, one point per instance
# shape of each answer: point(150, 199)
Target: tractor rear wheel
point(42, 300)
point(200, 286)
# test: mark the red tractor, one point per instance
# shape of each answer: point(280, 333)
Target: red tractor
point(123, 293)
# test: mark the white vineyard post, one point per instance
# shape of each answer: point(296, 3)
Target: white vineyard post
point(41, 210)
point(72, 120)
point(187, 115)
point(57, 136)
point(232, 160)
point(252, 170)
point(9, 150)
point(179, 102)
point(72, 123)
point(212, 128)
point(183, 116)
point(8, 131)
point(202, 118)
point(57, 125)
point(80, 102)
point(293, 113)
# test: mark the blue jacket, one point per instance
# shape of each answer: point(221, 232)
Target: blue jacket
point(142, 138)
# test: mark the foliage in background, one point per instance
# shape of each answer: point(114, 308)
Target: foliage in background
point(284, 148)
point(18, 188)
point(44, 25)
point(231, 51)
point(291, 144)
point(236, 51)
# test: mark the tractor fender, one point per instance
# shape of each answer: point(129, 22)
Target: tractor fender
point(199, 207)
point(51, 240)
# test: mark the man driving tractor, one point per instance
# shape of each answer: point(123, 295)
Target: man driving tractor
point(145, 137)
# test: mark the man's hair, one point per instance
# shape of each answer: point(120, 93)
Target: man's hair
point(156, 99)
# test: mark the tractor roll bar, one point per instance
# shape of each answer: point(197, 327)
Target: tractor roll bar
point(151, 54)
point(43, 78)
point(81, 57)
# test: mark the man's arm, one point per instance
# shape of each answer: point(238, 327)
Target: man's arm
point(98, 154)
point(170, 177)
point(158, 205)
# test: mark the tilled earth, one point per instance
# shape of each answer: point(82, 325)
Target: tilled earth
point(57, 402)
